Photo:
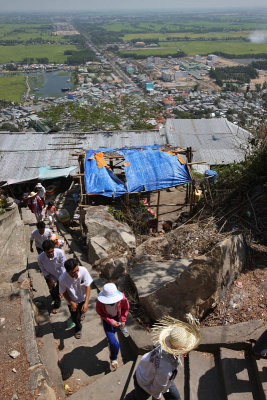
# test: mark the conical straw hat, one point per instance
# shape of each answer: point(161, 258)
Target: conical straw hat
point(177, 337)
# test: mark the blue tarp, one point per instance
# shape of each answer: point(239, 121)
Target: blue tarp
point(148, 170)
point(101, 180)
point(153, 169)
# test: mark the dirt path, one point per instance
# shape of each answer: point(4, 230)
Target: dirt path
point(28, 88)
point(170, 204)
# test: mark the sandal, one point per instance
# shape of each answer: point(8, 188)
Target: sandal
point(78, 335)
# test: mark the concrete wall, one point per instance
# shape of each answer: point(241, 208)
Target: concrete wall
point(10, 222)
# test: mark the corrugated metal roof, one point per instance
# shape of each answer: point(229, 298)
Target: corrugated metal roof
point(215, 141)
point(22, 153)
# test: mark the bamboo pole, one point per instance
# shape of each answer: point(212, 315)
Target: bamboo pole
point(158, 201)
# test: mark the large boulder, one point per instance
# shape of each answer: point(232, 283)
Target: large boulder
point(110, 242)
point(178, 287)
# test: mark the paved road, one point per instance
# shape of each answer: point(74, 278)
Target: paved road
point(101, 57)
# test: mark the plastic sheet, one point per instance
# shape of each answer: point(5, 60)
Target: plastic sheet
point(147, 168)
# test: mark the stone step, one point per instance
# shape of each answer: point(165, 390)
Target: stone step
point(262, 371)
point(204, 377)
point(86, 360)
point(113, 386)
point(237, 376)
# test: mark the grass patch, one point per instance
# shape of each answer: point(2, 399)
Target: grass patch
point(55, 53)
point(63, 73)
point(12, 88)
point(190, 48)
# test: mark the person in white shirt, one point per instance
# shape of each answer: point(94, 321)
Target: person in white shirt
point(51, 263)
point(39, 235)
point(40, 189)
point(74, 284)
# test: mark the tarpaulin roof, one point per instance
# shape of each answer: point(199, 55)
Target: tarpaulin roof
point(148, 168)
point(51, 173)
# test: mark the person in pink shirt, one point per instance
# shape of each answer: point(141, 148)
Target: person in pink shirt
point(35, 204)
point(51, 212)
point(113, 308)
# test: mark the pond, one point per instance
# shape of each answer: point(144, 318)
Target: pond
point(50, 84)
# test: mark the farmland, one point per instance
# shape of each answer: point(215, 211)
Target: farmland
point(25, 32)
point(190, 48)
point(54, 52)
point(189, 25)
point(190, 35)
point(12, 88)
point(196, 33)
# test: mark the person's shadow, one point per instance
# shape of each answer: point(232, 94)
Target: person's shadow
point(84, 358)
point(211, 384)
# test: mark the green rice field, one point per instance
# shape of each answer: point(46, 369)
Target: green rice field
point(12, 88)
point(190, 48)
point(188, 25)
point(54, 52)
point(25, 32)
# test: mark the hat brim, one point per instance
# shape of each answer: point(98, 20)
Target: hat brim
point(32, 194)
point(161, 336)
point(110, 300)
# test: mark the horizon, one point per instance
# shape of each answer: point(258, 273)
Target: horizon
point(36, 6)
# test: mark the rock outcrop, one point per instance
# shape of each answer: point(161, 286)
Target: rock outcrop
point(181, 286)
point(109, 241)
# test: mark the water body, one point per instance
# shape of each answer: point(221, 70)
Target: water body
point(49, 84)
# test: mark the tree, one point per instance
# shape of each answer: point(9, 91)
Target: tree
point(6, 126)
point(258, 87)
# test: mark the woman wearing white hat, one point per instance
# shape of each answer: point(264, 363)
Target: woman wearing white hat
point(40, 189)
point(113, 308)
point(157, 369)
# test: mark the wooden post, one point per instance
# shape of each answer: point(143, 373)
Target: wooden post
point(158, 201)
point(126, 197)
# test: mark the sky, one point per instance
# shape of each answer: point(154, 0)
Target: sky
point(94, 5)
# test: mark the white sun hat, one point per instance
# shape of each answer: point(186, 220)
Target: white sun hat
point(177, 337)
point(110, 294)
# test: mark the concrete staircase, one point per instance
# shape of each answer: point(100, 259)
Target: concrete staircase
point(225, 374)
point(219, 372)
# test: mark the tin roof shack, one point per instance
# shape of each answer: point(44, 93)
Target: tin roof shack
point(215, 141)
point(131, 172)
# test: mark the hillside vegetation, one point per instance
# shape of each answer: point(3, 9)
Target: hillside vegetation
point(238, 201)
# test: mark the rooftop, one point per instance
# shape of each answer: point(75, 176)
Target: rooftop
point(216, 141)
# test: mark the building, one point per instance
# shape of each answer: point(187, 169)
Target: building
point(149, 87)
point(166, 76)
point(215, 141)
point(130, 69)
point(140, 44)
